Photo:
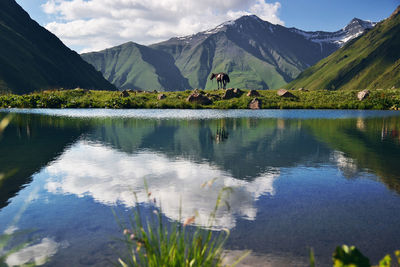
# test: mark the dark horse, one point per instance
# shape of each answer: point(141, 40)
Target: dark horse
point(222, 78)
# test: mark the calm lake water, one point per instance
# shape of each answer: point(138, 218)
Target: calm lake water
point(300, 179)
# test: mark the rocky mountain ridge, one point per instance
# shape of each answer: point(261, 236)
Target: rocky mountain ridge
point(255, 53)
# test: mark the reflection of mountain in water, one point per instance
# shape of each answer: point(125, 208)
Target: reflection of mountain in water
point(370, 144)
point(101, 160)
point(252, 148)
point(29, 143)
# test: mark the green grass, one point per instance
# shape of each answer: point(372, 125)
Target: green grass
point(152, 242)
point(320, 99)
point(345, 256)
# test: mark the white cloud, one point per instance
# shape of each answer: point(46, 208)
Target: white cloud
point(111, 177)
point(98, 24)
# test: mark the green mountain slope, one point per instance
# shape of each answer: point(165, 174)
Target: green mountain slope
point(369, 62)
point(32, 58)
point(255, 53)
point(134, 66)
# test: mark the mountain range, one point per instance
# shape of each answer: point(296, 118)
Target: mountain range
point(255, 53)
point(371, 61)
point(32, 58)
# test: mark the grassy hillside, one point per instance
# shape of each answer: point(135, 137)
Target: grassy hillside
point(369, 62)
point(134, 66)
point(32, 58)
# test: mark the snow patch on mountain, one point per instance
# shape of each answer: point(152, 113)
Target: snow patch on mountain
point(355, 28)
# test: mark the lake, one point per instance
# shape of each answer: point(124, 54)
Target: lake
point(301, 179)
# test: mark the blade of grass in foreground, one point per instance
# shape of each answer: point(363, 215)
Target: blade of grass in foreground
point(152, 242)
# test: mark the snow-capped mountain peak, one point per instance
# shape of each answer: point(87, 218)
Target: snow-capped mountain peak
point(355, 28)
point(251, 23)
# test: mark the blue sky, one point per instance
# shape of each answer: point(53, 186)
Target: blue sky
point(87, 25)
point(333, 15)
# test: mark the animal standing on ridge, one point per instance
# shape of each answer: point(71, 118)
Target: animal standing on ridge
point(222, 78)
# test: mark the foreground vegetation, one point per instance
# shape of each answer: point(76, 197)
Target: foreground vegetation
point(321, 99)
point(151, 241)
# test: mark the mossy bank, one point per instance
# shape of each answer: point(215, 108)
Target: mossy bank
point(319, 99)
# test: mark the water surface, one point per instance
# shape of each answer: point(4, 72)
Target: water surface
point(300, 179)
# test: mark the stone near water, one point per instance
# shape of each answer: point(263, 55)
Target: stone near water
point(253, 93)
point(363, 95)
point(124, 93)
point(255, 104)
point(231, 93)
point(303, 89)
point(161, 96)
point(238, 92)
point(199, 98)
point(284, 93)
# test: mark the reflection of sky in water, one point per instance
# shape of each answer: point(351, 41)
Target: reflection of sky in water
point(38, 253)
point(306, 200)
point(110, 177)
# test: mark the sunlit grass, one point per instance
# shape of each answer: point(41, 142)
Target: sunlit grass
point(151, 241)
point(317, 99)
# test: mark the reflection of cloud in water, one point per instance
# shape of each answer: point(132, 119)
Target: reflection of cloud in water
point(346, 165)
point(110, 177)
point(37, 254)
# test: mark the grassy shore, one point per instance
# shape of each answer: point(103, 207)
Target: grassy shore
point(320, 99)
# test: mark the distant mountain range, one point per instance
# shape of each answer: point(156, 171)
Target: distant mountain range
point(32, 58)
point(371, 61)
point(255, 53)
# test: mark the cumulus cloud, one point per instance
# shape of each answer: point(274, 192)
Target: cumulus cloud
point(110, 177)
point(98, 24)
